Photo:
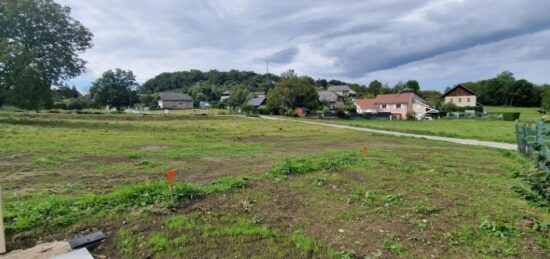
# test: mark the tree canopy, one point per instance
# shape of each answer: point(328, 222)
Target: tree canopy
point(114, 89)
point(39, 47)
point(293, 91)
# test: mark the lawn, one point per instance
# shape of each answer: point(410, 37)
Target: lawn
point(247, 187)
point(490, 130)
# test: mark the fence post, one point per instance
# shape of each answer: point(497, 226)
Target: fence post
point(2, 237)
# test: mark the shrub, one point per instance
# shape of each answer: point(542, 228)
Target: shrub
point(341, 113)
point(510, 116)
point(411, 115)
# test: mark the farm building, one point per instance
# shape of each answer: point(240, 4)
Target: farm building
point(301, 112)
point(256, 102)
point(332, 99)
point(341, 90)
point(461, 96)
point(172, 100)
point(395, 104)
point(225, 95)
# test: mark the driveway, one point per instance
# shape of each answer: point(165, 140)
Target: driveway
point(474, 142)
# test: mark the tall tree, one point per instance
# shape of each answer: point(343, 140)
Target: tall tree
point(375, 87)
point(292, 91)
point(114, 89)
point(413, 85)
point(39, 47)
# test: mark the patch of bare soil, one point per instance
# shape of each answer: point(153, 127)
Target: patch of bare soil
point(204, 170)
point(154, 147)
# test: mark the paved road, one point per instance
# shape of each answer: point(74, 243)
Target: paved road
point(394, 133)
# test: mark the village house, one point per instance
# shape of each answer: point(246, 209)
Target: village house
point(330, 98)
point(173, 100)
point(225, 95)
point(460, 96)
point(256, 102)
point(395, 104)
point(341, 90)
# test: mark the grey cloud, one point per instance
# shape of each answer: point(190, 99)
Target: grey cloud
point(344, 40)
point(284, 56)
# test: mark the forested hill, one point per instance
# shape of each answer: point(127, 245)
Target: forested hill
point(218, 80)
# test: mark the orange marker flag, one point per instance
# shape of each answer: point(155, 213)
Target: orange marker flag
point(365, 150)
point(171, 174)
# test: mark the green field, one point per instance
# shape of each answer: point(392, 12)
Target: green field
point(490, 130)
point(248, 187)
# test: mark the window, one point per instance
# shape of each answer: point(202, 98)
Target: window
point(383, 106)
point(468, 99)
point(398, 106)
point(459, 100)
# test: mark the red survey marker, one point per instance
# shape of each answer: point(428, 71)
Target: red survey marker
point(171, 174)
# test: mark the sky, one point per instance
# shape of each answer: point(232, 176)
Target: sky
point(440, 43)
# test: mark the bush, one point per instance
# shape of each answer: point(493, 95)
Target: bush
point(411, 115)
point(341, 113)
point(510, 116)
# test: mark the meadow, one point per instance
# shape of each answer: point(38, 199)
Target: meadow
point(248, 187)
point(480, 129)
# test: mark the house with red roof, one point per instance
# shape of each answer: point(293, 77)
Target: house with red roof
point(395, 104)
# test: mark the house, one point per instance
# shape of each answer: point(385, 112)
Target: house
point(341, 90)
point(332, 99)
point(173, 100)
point(365, 106)
point(395, 104)
point(256, 102)
point(260, 94)
point(461, 96)
point(225, 95)
point(301, 112)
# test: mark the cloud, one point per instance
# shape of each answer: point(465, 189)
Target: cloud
point(284, 56)
point(436, 42)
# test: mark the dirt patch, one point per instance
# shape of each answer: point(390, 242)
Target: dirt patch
point(154, 147)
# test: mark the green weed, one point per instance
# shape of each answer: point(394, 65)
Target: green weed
point(425, 209)
point(314, 163)
point(499, 229)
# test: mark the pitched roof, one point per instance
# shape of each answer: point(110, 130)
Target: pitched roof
point(256, 101)
point(327, 96)
point(404, 97)
point(340, 88)
point(456, 87)
point(366, 103)
point(394, 98)
point(173, 96)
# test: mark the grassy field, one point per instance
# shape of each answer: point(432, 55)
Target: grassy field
point(247, 187)
point(491, 130)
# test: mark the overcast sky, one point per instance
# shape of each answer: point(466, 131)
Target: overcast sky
point(439, 43)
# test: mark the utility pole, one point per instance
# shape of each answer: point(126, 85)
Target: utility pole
point(2, 237)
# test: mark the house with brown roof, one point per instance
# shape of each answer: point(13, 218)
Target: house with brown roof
point(396, 104)
point(461, 96)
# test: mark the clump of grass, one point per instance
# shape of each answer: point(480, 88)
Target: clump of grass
point(309, 164)
point(372, 199)
point(425, 209)
point(226, 183)
point(59, 211)
point(158, 242)
point(147, 164)
point(499, 229)
point(391, 242)
point(136, 155)
point(48, 160)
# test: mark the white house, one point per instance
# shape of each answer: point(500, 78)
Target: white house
point(172, 100)
point(461, 96)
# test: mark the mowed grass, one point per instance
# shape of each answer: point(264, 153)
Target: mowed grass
point(247, 187)
point(490, 130)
